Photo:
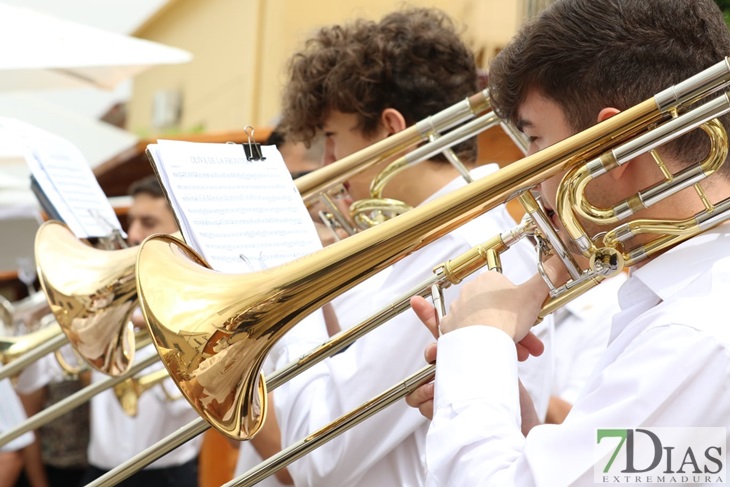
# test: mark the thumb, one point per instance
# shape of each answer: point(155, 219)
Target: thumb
point(533, 294)
point(536, 288)
point(426, 313)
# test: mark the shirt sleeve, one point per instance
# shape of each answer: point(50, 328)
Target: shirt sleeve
point(475, 438)
point(11, 415)
point(44, 371)
point(375, 362)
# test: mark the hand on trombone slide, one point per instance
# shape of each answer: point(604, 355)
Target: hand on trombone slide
point(489, 300)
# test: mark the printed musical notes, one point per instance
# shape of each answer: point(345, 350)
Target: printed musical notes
point(241, 215)
point(64, 177)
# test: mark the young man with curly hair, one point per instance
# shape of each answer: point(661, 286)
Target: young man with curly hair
point(358, 83)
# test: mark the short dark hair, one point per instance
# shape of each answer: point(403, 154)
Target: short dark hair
point(276, 137)
point(586, 55)
point(412, 60)
point(147, 185)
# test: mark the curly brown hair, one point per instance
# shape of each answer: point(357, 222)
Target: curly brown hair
point(587, 55)
point(412, 60)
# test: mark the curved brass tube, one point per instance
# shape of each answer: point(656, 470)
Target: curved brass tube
point(572, 202)
point(372, 211)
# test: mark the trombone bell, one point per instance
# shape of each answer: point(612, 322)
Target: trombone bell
point(216, 368)
point(90, 302)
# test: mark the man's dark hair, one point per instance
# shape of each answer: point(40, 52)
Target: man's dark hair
point(147, 185)
point(586, 55)
point(412, 60)
point(276, 137)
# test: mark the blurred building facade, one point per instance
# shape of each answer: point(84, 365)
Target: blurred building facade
point(241, 47)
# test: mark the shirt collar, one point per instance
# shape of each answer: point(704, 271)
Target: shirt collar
point(671, 272)
point(586, 306)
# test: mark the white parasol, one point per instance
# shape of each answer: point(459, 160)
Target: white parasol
point(44, 52)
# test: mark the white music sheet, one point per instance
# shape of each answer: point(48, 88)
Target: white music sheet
point(66, 178)
point(241, 215)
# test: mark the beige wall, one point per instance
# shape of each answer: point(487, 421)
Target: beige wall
point(241, 48)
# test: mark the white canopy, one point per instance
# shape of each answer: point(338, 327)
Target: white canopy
point(44, 52)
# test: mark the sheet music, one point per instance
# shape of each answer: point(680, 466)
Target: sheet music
point(240, 215)
point(65, 177)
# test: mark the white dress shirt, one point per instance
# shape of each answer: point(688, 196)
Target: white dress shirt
point(581, 335)
point(11, 415)
point(116, 437)
point(44, 371)
point(667, 364)
point(388, 448)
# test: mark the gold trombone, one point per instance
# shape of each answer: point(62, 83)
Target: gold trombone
point(237, 331)
point(92, 299)
point(94, 295)
point(92, 292)
point(218, 326)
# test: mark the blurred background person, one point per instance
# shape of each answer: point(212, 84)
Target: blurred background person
point(116, 436)
point(58, 456)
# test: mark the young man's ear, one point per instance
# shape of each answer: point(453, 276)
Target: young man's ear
point(393, 121)
point(605, 114)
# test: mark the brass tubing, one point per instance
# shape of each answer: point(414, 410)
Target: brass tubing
point(318, 181)
point(56, 341)
point(334, 429)
point(454, 271)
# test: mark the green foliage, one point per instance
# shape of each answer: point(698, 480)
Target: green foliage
point(725, 7)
